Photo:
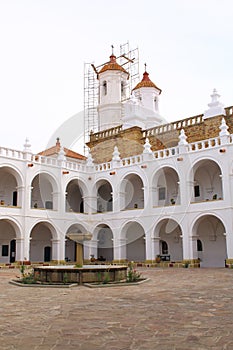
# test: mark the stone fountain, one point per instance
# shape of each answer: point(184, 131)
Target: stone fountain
point(79, 273)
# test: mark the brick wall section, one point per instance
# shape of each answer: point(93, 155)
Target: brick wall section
point(130, 141)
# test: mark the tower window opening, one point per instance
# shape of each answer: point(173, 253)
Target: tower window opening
point(105, 88)
point(122, 87)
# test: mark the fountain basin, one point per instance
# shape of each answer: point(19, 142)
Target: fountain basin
point(80, 275)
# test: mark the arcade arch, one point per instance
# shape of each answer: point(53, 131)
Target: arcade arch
point(207, 179)
point(134, 234)
point(43, 189)
point(170, 234)
point(10, 183)
point(166, 187)
point(209, 230)
point(132, 192)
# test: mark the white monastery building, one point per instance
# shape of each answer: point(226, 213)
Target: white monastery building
point(146, 189)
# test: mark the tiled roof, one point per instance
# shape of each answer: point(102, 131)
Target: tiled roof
point(146, 82)
point(54, 150)
point(112, 65)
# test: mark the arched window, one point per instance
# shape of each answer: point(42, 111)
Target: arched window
point(105, 87)
point(199, 245)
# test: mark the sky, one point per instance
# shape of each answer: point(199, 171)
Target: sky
point(187, 45)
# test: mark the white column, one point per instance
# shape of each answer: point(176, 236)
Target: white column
point(229, 243)
point(193, 247)
point(20, 195)
point(90, 204)
point(122, 200)
point(186, 247)
point(116, 201)
point(56, 200)
point(155, 247)
point(20, 256)
point(154, 196)
point(119, 246)
point(56, 254)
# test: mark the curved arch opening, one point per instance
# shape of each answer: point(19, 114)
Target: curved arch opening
point(132, 192)
point(211, 241)
point(207, 179)
point(166, 187)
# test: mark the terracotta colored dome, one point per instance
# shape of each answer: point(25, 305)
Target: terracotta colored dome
point(146, 82)
point(112, 65)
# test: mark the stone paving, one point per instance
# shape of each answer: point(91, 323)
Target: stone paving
point(178, 309)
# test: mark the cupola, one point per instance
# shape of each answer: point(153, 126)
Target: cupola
point(112, 91)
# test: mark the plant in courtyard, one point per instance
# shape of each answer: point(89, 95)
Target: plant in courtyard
point(22, 270)
point(65, 278)
point(132, 274)
point(106, 277)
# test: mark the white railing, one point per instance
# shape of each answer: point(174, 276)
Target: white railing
point(204, 144)
point(180, 124)
point(168, 152)
point(11, 153)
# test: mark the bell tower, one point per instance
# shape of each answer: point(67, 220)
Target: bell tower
point(112, 89)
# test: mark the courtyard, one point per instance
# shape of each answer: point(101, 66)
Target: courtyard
point(177, 309)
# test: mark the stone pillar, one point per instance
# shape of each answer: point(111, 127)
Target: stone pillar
point(154, 196)
point(20, 256)
point(229, 244)
point(119, 246)
point(20, 195)
point(90, 204)
point(56, 200)
point(155, 247)
point(79, 253)
point(193, 247)
point(116, 201)
point(186, 247)
point(56, 250)
point(122, 202)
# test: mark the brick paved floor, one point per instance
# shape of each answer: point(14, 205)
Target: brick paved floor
point(178, 309)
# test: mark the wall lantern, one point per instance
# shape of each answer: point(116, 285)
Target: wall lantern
point(179, 159)
point(30, 165)
point(112, 173)
point(222, 150)
point(65, 172)
point(144, 166)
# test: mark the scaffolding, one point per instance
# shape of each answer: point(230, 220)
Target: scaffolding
point(129, 59)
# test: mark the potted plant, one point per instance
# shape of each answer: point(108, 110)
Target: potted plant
point(173, 201)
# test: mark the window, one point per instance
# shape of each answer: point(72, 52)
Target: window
point(105, 87)
point(199, 245)
point(5, 250)
point(162, 193)
point(197, 191)
point(122, 87)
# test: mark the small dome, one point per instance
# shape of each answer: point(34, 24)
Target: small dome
point(112, 65)
point(146, 82)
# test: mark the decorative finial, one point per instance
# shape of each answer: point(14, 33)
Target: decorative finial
point(112, 49)
point(147, 147)
point(182, 138)
point(27, 146)
point(61, 154)
point(145, 66)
